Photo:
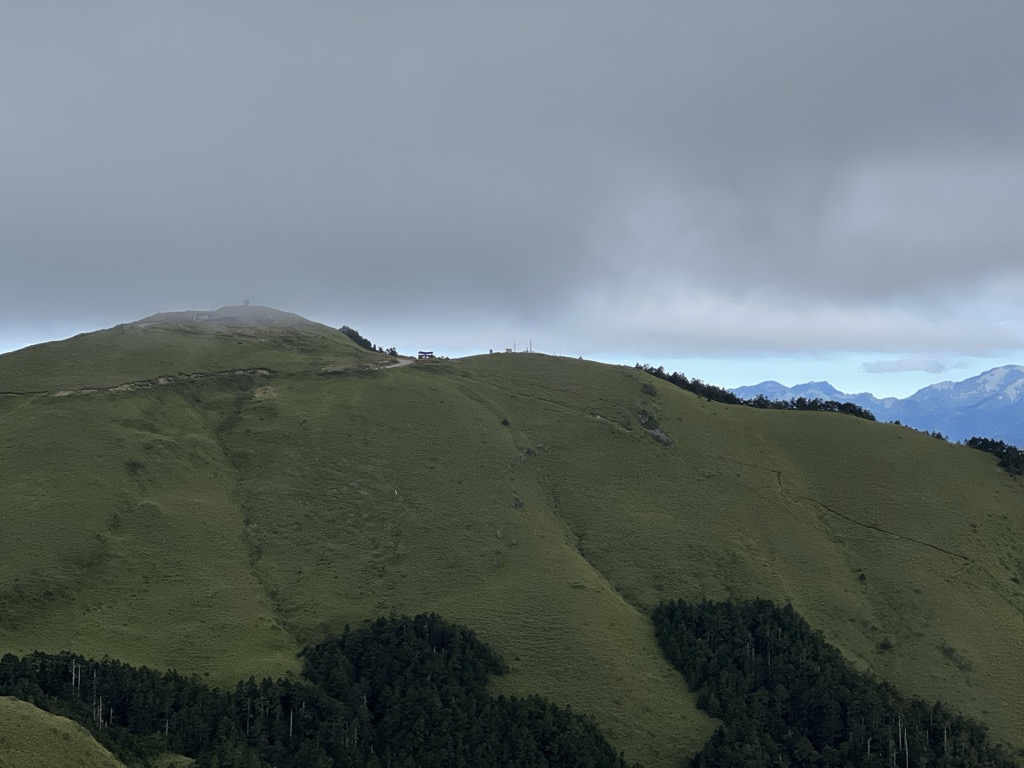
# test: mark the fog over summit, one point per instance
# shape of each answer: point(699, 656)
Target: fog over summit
point(241, 315)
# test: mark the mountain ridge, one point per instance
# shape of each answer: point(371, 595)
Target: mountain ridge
point(217, 524)
point(987, 405)
point(230, 316)
point(183, 343)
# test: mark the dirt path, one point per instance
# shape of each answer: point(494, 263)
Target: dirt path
point(160, 381)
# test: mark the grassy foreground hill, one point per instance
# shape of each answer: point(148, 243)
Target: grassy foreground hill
point(258, 485)
point(31, 738)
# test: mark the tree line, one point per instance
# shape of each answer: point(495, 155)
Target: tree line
point(399, 692)
point(787, 697)
point(721, 395)
point(1011, 458)
point(365, 343)
point(410, 692)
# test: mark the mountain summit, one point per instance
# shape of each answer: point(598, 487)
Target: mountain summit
point(193, 342)
point(231, 316)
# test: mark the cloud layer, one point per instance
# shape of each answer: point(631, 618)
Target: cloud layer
point(667, 179)
point(910, 364)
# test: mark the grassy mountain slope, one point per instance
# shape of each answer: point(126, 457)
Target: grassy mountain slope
point(169, 345)
point(217, 524)
point(31, 738)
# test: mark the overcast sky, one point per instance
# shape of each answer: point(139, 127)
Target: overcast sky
point(741, 191)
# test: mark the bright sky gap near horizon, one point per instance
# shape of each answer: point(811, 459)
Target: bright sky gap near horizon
point(793, 191)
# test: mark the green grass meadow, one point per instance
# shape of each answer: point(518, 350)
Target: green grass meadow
point(31, 738)
point(130, 353)
point(217, 525)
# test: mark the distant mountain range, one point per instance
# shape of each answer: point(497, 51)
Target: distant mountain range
point(988, 405)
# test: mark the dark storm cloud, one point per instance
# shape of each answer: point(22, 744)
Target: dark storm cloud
point(696, 176)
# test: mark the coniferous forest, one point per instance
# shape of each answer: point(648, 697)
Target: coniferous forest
point(1011, 458)
point(786, 697)
point(400, 692)
point(413, 692)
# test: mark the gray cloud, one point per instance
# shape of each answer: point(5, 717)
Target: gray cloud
point(905, 364)
point(671, 177)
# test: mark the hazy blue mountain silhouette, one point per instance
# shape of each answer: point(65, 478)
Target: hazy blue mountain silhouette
point(988, 405)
